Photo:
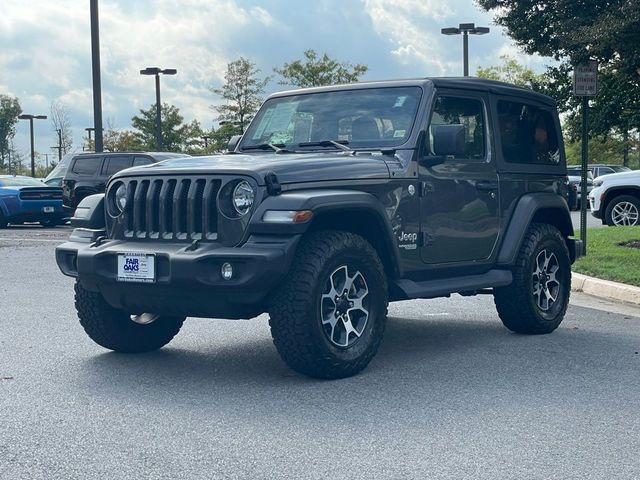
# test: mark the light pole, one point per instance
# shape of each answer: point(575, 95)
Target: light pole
point(157, 71)
point(27, 116)
point(465, 29)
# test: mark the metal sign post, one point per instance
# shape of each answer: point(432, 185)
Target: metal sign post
point(585, 85)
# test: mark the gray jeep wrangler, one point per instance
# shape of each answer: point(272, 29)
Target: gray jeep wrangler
point(334, 202)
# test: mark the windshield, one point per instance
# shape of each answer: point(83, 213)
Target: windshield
point(20, 182)
point(367, 119)
point(61, 167)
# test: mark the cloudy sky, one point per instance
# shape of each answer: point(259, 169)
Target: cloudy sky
point(45, 50)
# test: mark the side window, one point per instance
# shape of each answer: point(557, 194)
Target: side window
point(137, 161)
point(527, 133)
point(86, 165)
point(115, 164)
point(461, 111)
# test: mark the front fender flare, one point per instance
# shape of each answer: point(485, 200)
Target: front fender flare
point(322, 202)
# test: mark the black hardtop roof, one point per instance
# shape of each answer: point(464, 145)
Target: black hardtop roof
point(464, 83)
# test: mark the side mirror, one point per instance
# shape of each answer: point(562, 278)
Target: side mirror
point(233, 143)
point(448, 140)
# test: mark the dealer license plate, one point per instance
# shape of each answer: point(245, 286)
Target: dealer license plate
point(136, 267)
point(48, 209)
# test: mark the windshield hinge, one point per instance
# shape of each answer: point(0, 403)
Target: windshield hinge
point(273, 186)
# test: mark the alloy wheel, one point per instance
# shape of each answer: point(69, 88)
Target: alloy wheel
point(546, 286)
point(624, 213)
point(344, 306)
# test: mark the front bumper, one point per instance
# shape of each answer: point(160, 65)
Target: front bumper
point(595, 202)
point(188, 281)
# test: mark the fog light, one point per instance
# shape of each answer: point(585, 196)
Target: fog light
point(226, 271)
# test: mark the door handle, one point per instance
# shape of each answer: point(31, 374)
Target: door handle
point(486, 185)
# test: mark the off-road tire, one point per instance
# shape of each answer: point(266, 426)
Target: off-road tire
point(113, 328)
point(517, 304)
point(295, 308)
point(629, 200)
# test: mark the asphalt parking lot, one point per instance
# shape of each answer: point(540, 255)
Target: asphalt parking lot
point(451, 394)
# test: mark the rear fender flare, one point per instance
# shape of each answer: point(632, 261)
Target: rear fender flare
point(539, 207)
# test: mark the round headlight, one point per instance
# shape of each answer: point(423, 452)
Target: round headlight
point(121, 197)
point(243, 196)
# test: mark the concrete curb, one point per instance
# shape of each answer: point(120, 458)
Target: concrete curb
point(605, 289)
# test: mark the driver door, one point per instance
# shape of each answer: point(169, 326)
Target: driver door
point(459, 206)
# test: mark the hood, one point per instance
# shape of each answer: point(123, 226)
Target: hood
point(288, 167)
point(631, 176)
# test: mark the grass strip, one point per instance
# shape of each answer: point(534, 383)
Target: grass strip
point(607, 258)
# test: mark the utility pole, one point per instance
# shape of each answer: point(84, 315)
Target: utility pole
point(59, 130)
point(97, 84)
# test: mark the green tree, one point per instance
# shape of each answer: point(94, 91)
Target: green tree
point(9, 111)
point(242, 91)
point(511, 71)
point(120, 141)
point(174, 130)
point(572, 29)
point(314, 71)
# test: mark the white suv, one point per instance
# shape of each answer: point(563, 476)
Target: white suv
point(615, 198)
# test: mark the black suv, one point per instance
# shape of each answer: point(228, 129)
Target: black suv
point(336, 201)
point(88, 173)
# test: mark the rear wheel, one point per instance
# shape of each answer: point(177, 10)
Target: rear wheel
point(328, 318)
point(623, 210)
point(3, 220)
point(119, 331)
point(537, 299)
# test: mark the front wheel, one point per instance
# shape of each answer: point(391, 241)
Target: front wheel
point(119, 331)
point(538, 298)
point(328, 318)
point(622, 211)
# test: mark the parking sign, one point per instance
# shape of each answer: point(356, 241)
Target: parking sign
point(585, 79)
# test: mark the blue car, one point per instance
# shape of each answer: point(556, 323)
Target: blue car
point(25, 199)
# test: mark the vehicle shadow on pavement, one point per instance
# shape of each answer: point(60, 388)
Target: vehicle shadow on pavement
point(417, 357)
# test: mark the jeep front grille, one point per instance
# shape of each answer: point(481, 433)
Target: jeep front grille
point(171, 209)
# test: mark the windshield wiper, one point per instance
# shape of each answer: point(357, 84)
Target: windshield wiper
point(277, 147)
point(328, 143)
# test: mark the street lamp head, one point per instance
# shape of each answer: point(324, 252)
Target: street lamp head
point(150, 71)
point(450, 31)
point(480, 30)
point(169, 71)
point(28, 116)
point(466, 27)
